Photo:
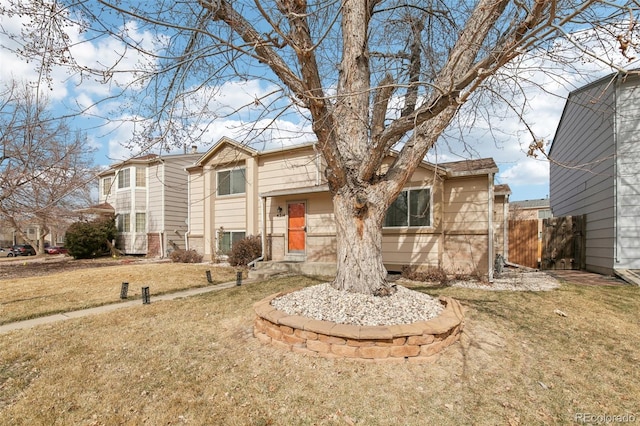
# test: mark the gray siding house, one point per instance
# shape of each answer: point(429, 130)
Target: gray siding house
point(149, 196)
point(595, 170)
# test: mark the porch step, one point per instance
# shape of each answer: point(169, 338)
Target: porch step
point(267, 269)
point(632, 276)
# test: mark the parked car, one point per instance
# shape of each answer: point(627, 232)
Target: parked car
point(23, 250)
point(6, 252)
point(56, 250)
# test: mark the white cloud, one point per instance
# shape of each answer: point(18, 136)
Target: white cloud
point(526, 171)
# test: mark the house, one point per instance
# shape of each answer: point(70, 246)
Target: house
point(282, 195)
point(530, 209)
point(525, 226)
point(595, 170)
point(148, 196)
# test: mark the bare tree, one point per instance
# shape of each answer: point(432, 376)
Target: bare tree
point(45, 169)
point(370, 75)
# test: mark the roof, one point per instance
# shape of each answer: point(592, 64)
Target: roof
point(103, 208)
point(542, 203)
point(502, 189)
point(146, 159)
point(470, 167)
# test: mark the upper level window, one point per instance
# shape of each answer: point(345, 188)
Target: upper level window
point(231, 182)
point(124, 178)
point(106, 186)
point(141, 177)
point(411, 208)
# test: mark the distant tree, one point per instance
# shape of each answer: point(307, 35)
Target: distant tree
point(370, 75)
point(46, 168)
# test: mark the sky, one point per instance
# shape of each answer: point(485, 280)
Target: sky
point(501, 136)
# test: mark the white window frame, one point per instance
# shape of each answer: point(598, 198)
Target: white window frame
point(128, 172)
point(230, 232)
point(144, 230)
point(120, 220)
point(107, 183)
point(141, 171)
point(408, 225)
point(231, 170)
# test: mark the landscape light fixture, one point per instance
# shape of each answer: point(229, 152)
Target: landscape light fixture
point(146, 299)
point(124, 289)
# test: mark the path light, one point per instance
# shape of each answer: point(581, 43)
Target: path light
point(123, 290)
point(238, 277)
point(209, 277)
point(145, 296)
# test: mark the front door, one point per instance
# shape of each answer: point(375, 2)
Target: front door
point(296, 227)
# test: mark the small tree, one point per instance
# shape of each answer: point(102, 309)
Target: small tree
point(86, 240)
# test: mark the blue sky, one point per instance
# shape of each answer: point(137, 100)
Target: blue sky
point(501, 136)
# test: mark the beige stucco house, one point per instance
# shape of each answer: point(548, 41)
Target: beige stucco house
point(450, 215)
point(148, 196)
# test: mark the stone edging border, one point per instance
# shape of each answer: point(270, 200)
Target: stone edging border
point(419, 342)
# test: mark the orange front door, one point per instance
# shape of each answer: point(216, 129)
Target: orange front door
point(296, 227)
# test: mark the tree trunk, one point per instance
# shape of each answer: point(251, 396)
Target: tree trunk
point(359, 246)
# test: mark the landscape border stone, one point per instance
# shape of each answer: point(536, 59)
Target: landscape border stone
point(419, 342)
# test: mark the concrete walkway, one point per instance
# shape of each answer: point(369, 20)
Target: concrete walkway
point(19, 325)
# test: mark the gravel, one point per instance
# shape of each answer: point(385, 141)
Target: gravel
point(323, 302)
point(406, 306)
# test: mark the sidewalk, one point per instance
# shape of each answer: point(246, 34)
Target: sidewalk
point(19, 325)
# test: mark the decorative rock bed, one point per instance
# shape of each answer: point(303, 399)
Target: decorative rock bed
point(419, 342)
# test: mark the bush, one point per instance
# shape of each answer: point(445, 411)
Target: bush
point(245, 250)
point(431, 274)
point(185, 256)
point(85, 240)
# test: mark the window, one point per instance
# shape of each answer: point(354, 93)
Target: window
point(411, 208)
point(141, 177)
point(124, 179)
point(124, 222)
point(106, 186)
point(228, 239)
point(231, 182)
point(141, 222)
point(544, 214)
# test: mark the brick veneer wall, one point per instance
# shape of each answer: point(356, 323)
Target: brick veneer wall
point(419, 342)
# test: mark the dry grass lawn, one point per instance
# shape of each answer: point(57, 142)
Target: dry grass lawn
point(194, 361)
point(30, 297)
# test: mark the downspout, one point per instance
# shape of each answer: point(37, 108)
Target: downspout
point(263, 239)
point(490, 230)
point(162, 201)
point(188, 233)
point(505, 225)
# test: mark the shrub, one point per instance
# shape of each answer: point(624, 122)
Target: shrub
point(245, 250)
point(431, 274)
point(185, 256)
point(85, 240)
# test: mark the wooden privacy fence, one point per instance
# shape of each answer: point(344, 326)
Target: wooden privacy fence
point(563, 242)
point(524, 244)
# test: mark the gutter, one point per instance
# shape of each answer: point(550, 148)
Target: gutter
point(490, 226)
point(263, 237)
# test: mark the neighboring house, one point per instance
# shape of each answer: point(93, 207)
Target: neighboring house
point(595, 169)
point(148, 196)
point(530, 209)
point(527, 239)
point(455, 217)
